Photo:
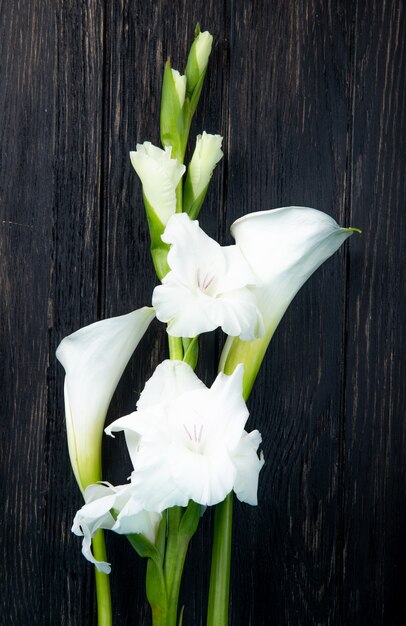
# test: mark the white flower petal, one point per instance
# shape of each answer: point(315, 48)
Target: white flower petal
point(153, 480)
point(205, 158)
point(203, 44)
point(284, 247)
point(159, 176)
point(102, 566)
point(190, 244)
point(94, 359)
point(188, 443)
point(180, 85)
point(133, 519)
point(248, 466)
point(95, 514)
point(206, 286)
point(207, 479)
point(169, 379)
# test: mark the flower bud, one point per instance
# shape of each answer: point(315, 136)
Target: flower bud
point(205, 158)
point(198, 60)
point(180, 86)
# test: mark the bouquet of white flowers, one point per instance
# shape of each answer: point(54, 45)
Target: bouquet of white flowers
point(187, 441)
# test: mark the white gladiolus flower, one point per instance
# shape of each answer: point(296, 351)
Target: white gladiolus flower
point(180, 84)
point(94, 359)
point(207, 287)
point(188, 442)
point(205, 158)
point(203, 42)
point(95, 514)
point(160, 175)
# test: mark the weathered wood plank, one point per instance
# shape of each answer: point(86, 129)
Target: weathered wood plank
point(26, 196)
point(375, 464)
point(288, 144)
point(77, 86)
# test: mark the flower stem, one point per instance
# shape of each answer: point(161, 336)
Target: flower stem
point(219, 593)
point(182, 525)
point(104, 614)
point(171, 552)
point(175, 348)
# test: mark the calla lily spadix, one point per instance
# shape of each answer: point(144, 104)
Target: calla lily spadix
point(283, 248)
point(100, 500)
point(208, 285)
point(188, 442)
point(94, 359)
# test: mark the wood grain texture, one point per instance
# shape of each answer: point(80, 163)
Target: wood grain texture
point(375, 429)
point(292, 112)
point(26, 199)
point(310, 99)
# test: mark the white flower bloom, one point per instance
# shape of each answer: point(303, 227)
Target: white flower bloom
point(160, 175)
point(205, 158)
point(94, 359)
point(203, 43)
point(207, 287)
point(95, 514)
point(189, 441)
point(284, 247)
point(180, 84)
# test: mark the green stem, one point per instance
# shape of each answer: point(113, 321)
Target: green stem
point(171, 552)
point(219, 593)
point(176, 578)
point(182, 525)
point(104, 614)
point(175, 348)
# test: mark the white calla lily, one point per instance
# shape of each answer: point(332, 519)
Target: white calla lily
point(160, 175)
point(207, 287)
point(188, 442)
point(283, 248)
point(130, 518)
point(94, 359)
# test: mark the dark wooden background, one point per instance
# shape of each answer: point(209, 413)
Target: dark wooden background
point(310, 98)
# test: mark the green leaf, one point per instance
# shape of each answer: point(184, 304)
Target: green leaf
point(144, 547)
point(190, 520)
point(156, 593)
point(192, 205)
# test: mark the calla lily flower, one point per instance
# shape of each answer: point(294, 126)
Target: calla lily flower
point(207, 287)
point(188, 442)
point(160, 175)
point(94, 359)
point(100, 500)
point(283, 248)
